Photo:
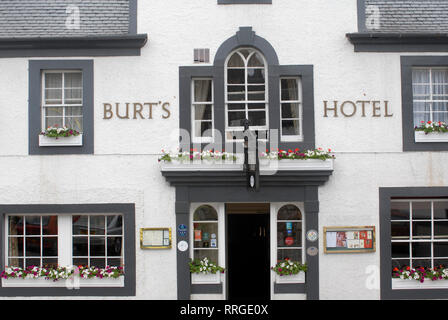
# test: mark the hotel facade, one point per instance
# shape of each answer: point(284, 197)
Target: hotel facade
point(355, 91)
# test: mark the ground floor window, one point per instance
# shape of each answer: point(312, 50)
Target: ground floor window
point(205, 225)
point(289, 234)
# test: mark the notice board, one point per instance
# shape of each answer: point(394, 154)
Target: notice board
point(349, 239)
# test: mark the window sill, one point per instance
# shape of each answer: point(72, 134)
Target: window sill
point(68, 283)
point(73, 141)
point(210, 278)
point(294, 278)
point(414, 284)
point(420, 136)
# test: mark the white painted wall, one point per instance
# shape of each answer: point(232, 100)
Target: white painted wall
point(124, 167)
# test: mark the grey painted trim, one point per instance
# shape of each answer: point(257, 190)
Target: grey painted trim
point(283, 190)
point(385, 195)
point(35, 100)
point(407, 63)
point(398, 42)
point(361, 15)
point(245, 37)
point(123, 45)
point(244, 1)
point(282, 288)
point(206, 288)
point(133, 16)
point(128, 211)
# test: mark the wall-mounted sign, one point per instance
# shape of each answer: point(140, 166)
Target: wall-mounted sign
point(182, 246)
point(312, 251)
point(349, 239)
point(136, 110)
point(363, 108)
point(155, 238)
point(182, 230)
point(312, 235)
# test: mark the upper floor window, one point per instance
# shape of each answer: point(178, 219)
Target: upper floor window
point(202, 110)
point(62, 99)
point(246, 94)
point(291, 109)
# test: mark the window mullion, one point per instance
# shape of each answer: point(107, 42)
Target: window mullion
point(65, 246)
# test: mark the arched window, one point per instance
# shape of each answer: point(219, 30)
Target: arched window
point(289, 233)
point(246, 94)
point(205, 226)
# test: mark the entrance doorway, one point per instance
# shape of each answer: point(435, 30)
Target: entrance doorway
point(248, 251)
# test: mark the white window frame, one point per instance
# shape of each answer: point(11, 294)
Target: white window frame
point(246, 102)
point(411, 240)
point(220, 209)
point(65, 253)
point(196, 139)
point(292, 138)
point(63, 105)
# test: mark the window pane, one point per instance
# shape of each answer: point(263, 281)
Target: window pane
point(15, 262)
point(54, 122)
point(73, 111)
point(235, 76)
point(291, 254)
point(422, 106)
point(400, 230)
point(114, 246)
point(202, 90)
point(289, 212)
point(440, 106)
point(440, 92)
point(439, 76)
point(441, 262)
point(205, 213)
point(32, 247)
point(421, 210)
point(15, 247)
point(441, 229)
point(53, 80)
point(80, 246)
point(115, 225)
point(50, 246)
point(400, 250)
point(99, 263)
point(73, 96)
point(255, 75)
point(421, 230)
point(259, 106)
point(202, 112)
point(290, 110)
point(32, 262)
point(289, 234)
point(425, 263)
point(421, 91)
point(290, 90)
point(235, 119)
point(97, 225)
point(419, 117)
point(421, 249)
point(205, 235)
point(441, 210)
point(399, 210)
point(54, 111)
point(49, 263)
point(203, 129)
point(290, 127)
point(74, 123)
point(50, 225)
point(81, 262)
point(236, 93)
point(73, 80)
point(256, 93)
point(80, 224)
point(440, 249)
point(440, 116)
point(256, 60)
point(53, 96)
point(400, 263)
point(257, 118)
point(115, 262)
point(236, 61)
point(32, 225)
point(420, 76)
point(15, 225)
point(97, 246)
point(211, 255)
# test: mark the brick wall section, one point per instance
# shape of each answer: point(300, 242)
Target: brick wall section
point(412, 16)
point(47, 18)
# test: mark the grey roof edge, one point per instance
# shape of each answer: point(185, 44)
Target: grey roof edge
point(106, 45)
point(398, 42)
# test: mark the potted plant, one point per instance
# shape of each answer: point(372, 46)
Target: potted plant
point(60, 136)
point(317, 159)
point(195, 160)
point(431, 131)
point(288, 271)
point(420, 277)
point(204, 271)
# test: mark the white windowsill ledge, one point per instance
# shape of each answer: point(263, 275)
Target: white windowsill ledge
point(294, 278)
point(414, 284)
point(64, 283)
point(72, 141)
point(420, 136)
point(265, 165)
point(206, 278)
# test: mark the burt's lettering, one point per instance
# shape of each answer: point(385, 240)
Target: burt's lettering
point(349, 109)
point(136, 110)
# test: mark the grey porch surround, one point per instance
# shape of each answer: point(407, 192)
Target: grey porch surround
point(285, 186)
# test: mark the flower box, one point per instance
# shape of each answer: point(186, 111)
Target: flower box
point(71, 141)
point(293, 278)
point(202, 165)
point(296, 164)
point(71, 283)
point(420, 136)
point(415, 284)
point(206, 278)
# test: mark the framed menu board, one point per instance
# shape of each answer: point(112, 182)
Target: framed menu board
point(155, 238)
point(349, 239)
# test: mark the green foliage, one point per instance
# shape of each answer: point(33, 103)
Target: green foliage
point(287, 267)
point(204, 266)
